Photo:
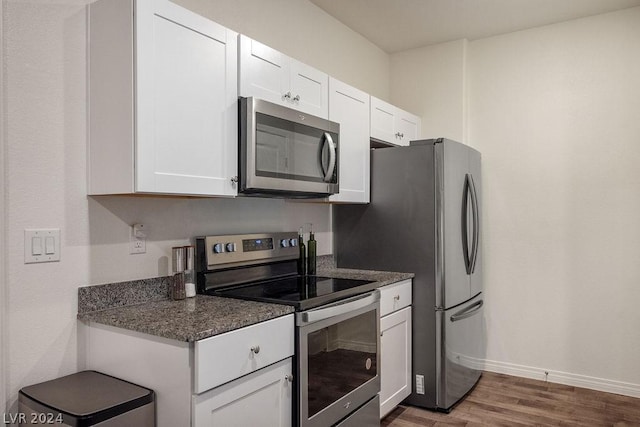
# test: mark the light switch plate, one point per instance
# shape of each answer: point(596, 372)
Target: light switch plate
point(41, 245)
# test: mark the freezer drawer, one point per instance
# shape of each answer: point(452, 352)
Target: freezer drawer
point(461, 350)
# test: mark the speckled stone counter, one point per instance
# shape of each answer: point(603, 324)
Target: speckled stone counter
point(143, 305)
point(382, 278)
point(190, 319)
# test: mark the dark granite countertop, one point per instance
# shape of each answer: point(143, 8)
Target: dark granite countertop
point(382, 278)
point(189, 319)
point(126, 305)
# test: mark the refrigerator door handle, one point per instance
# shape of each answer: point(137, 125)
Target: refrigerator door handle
point(467, 312)
point(476, 224)
point(465, 222)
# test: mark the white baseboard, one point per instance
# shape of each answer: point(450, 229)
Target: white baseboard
point(593, 383)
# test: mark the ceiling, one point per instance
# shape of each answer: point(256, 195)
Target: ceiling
point(397, 25)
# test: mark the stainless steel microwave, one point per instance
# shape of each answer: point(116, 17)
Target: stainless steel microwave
point(286, 153)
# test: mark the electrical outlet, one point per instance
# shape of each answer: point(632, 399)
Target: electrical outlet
point(137, 240)
point(420, 384)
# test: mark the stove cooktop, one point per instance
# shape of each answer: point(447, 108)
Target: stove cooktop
point(302, 292)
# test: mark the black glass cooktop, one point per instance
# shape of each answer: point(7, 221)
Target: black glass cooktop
point(302, 292)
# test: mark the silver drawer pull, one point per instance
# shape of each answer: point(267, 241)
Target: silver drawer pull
point(397, 298)
point(255, 349)
point(289, 378)
point(297, 98)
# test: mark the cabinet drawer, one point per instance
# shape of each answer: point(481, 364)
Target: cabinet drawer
point(224, 357)
point(394, 297)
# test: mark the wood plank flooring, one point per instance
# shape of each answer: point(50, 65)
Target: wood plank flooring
point(503, 400)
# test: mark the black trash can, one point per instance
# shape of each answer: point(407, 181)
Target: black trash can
point(88, 398)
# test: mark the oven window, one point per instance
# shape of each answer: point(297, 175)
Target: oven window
point(290, 150)
point(341, 357)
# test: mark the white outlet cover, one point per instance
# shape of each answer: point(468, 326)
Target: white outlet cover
point(41, 245)
point(137, 240)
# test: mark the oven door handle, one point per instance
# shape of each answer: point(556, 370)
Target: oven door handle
point(340, 307)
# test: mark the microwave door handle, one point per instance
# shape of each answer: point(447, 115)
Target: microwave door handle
point(332, 157)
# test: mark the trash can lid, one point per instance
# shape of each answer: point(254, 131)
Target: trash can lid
point(89, 393)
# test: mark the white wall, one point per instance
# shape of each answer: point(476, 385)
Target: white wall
point(427, 82)
point(3, 278)
point(44, 95)
point(303, 31)
point(555, 112)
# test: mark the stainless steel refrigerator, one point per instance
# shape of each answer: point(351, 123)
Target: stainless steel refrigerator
point(424, 217)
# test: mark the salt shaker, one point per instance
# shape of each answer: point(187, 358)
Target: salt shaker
point(189, 272)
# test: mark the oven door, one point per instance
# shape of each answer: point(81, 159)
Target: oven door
point(285, 151)
point(338, 355)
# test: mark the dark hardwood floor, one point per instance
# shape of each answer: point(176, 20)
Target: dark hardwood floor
point(503, 400)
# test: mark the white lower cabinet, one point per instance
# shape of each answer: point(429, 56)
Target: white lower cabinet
point(395, 345)
point(395, 365)
point(239, 378)
point(263, 398)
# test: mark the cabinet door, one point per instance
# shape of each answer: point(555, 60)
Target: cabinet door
point(264, 72)
point(350, 107)
point(407, 127)
point(186, 102)
point(383, 120)
point(395, 359)
point(309, 89)
point(259, 399)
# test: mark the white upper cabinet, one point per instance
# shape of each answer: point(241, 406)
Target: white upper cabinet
point(350, 107)
point(268, 74)
point(163, 100)
point(391, 124)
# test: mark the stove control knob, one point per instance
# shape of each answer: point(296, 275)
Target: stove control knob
point(218, 248)
point(284, 243)
point(293, 243)
point(231, 247)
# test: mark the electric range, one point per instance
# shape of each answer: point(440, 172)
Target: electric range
point(337, 371)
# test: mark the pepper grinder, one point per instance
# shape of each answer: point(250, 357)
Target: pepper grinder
point(177, 284)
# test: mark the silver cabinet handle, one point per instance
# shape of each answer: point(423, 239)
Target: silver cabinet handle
point(297, 98)
point(289, 378)
point(332, 157)
point(234, 179)
point(255, 349)
point(287, 95)
point(399, 135)
point(397, 298)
